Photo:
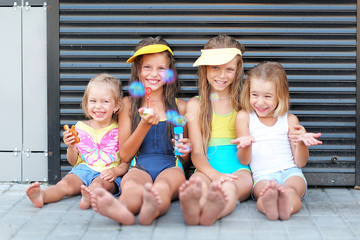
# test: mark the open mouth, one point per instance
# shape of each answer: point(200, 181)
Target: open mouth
point(220, 82)
point(99, 114)
point(261, 110)
point(152, 81)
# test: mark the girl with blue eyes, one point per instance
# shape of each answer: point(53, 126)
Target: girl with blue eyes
point(145, 139)
point(220, 180)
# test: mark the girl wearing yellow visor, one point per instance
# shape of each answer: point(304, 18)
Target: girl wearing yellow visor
point(156, 173)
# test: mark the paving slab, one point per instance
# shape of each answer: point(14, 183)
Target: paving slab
point(327, 213)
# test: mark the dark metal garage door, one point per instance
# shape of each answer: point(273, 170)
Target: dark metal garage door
point(314, 40)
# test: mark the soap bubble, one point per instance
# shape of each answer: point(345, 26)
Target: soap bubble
point(189, 117)
point(137, 89)
point(187, 148)
point(171, 115)
point(168, 76)
point(180, 121)
point(214, 97)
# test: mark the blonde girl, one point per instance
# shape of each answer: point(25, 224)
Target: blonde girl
point(262, 128)
point(153, 181)
point(96, 157)
point(220, 180)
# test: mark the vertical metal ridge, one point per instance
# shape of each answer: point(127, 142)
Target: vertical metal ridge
point(357, 140)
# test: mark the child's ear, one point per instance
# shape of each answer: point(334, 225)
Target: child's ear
point(118, 106)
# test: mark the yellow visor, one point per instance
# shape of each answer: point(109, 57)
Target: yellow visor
point(155, 48)
point(218, 56)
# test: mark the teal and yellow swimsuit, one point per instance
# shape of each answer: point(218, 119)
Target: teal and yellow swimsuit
point(222, 153)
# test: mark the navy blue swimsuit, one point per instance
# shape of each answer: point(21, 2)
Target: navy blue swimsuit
point(156, 152)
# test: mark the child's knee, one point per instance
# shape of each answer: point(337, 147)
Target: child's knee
point(162, 186)
point(68, 187)
point(132, 186)
point(96, 184)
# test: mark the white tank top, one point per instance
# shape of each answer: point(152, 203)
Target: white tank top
point(271, 151)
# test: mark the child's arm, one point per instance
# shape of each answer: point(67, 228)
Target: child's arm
point(112, 173)
point(244, 140)
point(294, 133)
point(72, 152)
point(300, 149)
point(198, 156)
point(129, 143)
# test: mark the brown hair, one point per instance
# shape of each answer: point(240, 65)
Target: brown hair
point(220, 41)
point(115, 86)
point(272, 72)
point(170, 89)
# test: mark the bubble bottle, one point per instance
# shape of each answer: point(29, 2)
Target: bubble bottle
point(180, 121)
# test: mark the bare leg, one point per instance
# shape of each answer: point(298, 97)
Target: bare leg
point(236, 190)
point(189, 194)
point(151, 205)
point(216, 201)
point(85, 200)
point(268, 201)
point(35, 195)
point(105, 204)
point(284, 204)
point(290, 195)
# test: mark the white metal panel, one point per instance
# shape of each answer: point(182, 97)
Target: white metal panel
point(34, 79)
point(35, 167)
point(11, 166)
point(10, 80)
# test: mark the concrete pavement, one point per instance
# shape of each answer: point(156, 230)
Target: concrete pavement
point(327, 213)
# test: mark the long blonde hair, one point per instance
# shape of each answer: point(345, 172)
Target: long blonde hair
point(205, 117)
point(272, 72)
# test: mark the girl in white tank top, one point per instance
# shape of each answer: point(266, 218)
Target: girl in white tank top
point(262, 131)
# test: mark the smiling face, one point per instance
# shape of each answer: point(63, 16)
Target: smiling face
point(152, 70)
point(220, 77)
point(101, 104)
point(263, 97)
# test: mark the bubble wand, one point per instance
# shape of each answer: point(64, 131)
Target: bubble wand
point(148, 91)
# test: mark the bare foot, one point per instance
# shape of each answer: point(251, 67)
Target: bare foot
point(215, 204)
point(85, 200)
point(150, 207)
point(107, 205)
point(284, 204)
point(189, 195)
point(34, 194)
point(269, 199)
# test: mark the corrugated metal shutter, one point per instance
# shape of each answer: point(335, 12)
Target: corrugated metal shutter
point(314, 40)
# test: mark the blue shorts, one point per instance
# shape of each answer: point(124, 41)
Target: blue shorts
point(87, 175)
point(281, 176)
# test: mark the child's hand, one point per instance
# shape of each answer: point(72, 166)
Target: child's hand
point(185, 147)
point(223, 177)
point(295, 132)
point(243, 142)
point(151, 118)
point(309, 139)
point(108, 175)
point(69, 139)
